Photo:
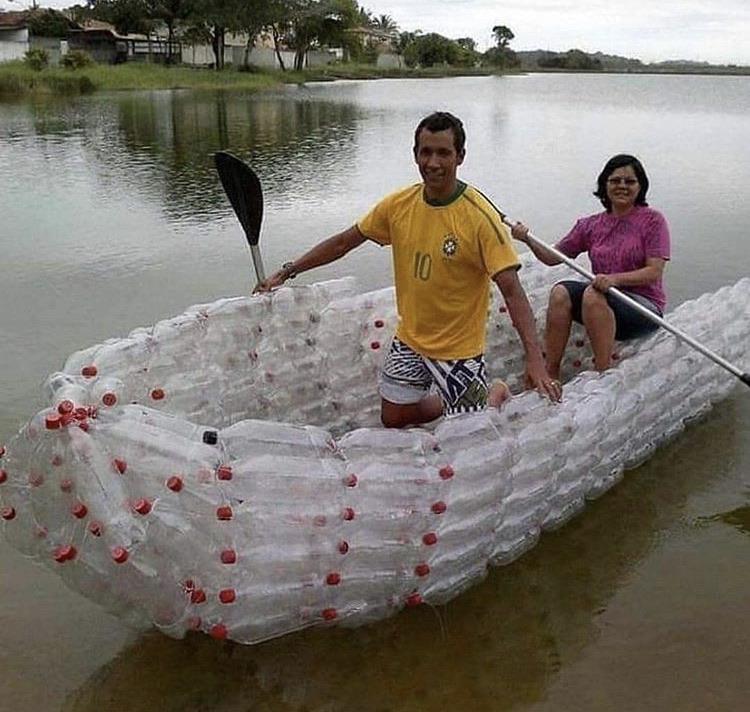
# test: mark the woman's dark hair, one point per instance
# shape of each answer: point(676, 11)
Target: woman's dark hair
point(442, 121)
point(620, 161)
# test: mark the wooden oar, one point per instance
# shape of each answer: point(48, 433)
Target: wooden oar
point(689, 340)
point(243, 189)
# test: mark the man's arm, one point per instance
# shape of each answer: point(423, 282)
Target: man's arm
point(324, 252)
point(523, 321)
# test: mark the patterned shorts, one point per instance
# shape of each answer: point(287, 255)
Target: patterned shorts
point(407, 377)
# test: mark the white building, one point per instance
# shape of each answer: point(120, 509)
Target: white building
point(14, 35)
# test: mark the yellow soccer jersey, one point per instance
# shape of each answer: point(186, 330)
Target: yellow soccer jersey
point(443, 258)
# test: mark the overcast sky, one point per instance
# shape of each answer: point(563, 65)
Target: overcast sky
point(716, 31)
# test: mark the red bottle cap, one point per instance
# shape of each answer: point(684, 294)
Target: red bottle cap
point(142, 506)
point(8, 513)
point(439, 507)
point(174, 483)
point(66, 406)
point(379, 323)
point(219, 632)
point(224, 472)
point(35, 479)
point(81, 413)
point(89, 371)
point(228, 556)
point(66, 485)
point(65, 553)
point(120, 554)
point(52, 421)
point(120, 465)
point(227, 595)
point(413, 599)
point(157, 394)
point(350, 480)
point(198, 596)
point(343, 547)
point(333, 579)
point(422, 569)
point(329, 614)
point(224, 514)
point(3, 476)
point(429, 539)
point(96, 528)
point(347, 514)
point(79, 510)
point(374, 345)
point(109, 399)
point(446, 472)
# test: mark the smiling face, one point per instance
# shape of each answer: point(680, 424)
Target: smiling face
point(438, 161)
point(622, 189)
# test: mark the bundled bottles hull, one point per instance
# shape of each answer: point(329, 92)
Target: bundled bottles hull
point(223, 471)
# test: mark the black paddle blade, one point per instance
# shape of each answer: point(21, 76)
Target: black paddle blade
point(243, 189)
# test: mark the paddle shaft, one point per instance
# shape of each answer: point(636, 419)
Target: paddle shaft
point(257, 263)
point(744, 377)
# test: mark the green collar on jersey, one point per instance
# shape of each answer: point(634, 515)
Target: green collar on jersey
point(457, 193)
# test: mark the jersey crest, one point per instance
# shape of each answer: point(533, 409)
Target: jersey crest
point(450, 245)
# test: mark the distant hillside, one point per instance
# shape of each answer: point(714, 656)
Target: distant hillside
point(575, 59)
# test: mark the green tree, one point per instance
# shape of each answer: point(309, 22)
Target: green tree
point(503, 35)
point(127, 16)
point(467, 43)
point(171, 13)
point(384, 23)
point(501, 56)
point(431, 49)
point(215, 18)
point(49, 23)
point(319, 22)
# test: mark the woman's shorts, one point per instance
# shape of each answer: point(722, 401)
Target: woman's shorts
point(630, 323)
point(407, 377)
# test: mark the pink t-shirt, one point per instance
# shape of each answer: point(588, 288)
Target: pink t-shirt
point(622, 244)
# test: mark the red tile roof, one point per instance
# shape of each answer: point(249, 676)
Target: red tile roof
point(13, 20)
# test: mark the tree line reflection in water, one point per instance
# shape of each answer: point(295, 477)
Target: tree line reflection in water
point(160, 145)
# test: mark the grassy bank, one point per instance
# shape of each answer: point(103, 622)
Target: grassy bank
point(16, 79)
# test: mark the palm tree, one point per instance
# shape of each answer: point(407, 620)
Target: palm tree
point(385, 23)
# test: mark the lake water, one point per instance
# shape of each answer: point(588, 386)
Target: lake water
point(112, 217)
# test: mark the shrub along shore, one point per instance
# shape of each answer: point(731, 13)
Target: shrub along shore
point(18, 79)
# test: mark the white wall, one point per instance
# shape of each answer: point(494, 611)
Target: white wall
point(202, 55)
point(13, 44)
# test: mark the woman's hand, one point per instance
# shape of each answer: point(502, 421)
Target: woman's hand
point(519, 231)
point(602, 282)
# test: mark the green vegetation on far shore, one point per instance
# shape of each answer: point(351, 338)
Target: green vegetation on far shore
point(17, 79)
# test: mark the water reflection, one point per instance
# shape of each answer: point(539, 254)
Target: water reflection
point(499, 646)
point(738, 518)
point(160, 144)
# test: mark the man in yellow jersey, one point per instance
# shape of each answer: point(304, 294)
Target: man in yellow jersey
point(447, 241)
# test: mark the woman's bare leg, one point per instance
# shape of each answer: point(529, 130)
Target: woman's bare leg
point(599, 320)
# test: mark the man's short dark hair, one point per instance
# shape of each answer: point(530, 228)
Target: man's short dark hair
point(442, 121)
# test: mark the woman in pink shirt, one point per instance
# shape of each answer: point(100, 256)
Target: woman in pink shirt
point(628, 246)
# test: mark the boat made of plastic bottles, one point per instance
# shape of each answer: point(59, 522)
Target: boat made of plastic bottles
point(225, 471)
